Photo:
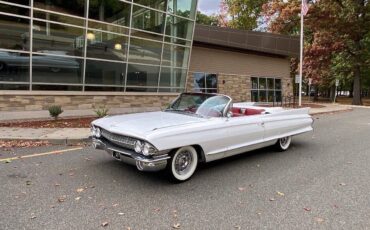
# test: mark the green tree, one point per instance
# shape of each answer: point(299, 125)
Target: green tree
point(210, 20)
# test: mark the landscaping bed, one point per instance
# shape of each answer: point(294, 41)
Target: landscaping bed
point(60, 123)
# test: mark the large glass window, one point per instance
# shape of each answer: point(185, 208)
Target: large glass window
point(179, 27)
point(72, 7)
point(266, 90)
point(176, 56)
point(56, 69)
point(205, 82)
point(14, 66)
point(52, 38)
point(145, 51)
point(141, 77)
point(105, 73)
point(149, 20)
point(14, 33)
point(108, 46)
point(78, 46)
point(184, 8)
point(114, 12)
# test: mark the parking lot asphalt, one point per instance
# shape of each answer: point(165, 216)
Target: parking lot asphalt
point(321, 182)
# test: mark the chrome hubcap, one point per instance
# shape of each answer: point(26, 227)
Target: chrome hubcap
point(183, 162)
point(284, 142)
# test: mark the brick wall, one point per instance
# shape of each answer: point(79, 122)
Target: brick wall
point(42, 102)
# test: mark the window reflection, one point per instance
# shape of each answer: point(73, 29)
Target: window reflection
point(14, 66)
point(105, 73)
point(171, 77)
point(141, 75)
point(149, 20)
point(156, 4)
point(114, 12)
point(106, 46)
point(58, 39)
point(205, 82)
point(14, 33)
point(54, 69)
point(20, 2)
point(14, 10)
point(144, 51)
point(184, 8)
point(176, 56)
point(179, 27)
point(73, 7)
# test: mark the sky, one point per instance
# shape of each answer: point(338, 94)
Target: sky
point(208, 6)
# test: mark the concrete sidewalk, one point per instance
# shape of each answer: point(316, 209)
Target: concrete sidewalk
point(69, 136)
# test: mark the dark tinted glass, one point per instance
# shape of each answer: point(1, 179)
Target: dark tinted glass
point(141, 75)
point(270, 83)
point(14, 66)
point(105, 73)
point(262, 83)
point(254, 96)
point(278, 84)
point(107, 46)
point(14, 87)
point(14, 10)
point(211, 81)
point(262, 96)
point(114, 12)
point(199, 81)
point(20, 2)
point(53, 69)
point(14, 33)
point(57, 87)
point(74, 7)
point(278, 96)
point(148, 20)
point(59, 18)
point(104, 89)
point(58, 39)
point(254, 83)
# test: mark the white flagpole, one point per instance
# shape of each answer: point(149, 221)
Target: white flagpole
point(301, 59)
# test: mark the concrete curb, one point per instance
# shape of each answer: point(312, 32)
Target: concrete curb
point(65, 141)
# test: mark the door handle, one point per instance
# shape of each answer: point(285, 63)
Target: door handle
point(263, 124)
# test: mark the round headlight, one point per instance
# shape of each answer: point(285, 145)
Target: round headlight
point(148, 149)
point(138, 147)
point(98, 132)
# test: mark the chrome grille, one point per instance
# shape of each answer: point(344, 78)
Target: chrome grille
point(124, 141)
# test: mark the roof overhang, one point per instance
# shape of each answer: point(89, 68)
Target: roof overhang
point(257, 42)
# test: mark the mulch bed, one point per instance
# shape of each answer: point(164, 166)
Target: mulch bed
point(9, 145)
point(60, 123)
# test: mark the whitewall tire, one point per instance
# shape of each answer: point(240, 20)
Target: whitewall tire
point(183, 164)
point(283, 144)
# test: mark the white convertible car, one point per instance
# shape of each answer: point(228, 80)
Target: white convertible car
point(196, 128)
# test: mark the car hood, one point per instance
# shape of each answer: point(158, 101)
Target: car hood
point(141, 124)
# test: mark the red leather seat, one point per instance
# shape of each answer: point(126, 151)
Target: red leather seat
point(249, 112)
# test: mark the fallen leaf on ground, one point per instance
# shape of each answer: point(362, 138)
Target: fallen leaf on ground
point(237, 227)
point(342, 184)
point(104, 224)
point(272, 199)
point(33, 217)
point(28, 182)
point(62, 198)
point(121, 213)
point(242, 189)
point(56, 185)
point(115, 205)
point(176, 226)
point(319, 219)
point(78, 198)
point(307, 209)
point(157, 209)
point(79, 190)
point(280, 193)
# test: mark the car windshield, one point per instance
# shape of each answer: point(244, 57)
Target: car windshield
point(205, 105)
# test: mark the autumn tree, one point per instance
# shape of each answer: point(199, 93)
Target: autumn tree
point(210, 20)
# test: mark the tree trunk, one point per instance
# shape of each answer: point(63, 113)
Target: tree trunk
point(332, 93)
point(356, 100)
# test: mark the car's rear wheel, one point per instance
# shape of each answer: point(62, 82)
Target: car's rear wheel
point(283, 144)
point(183, 164)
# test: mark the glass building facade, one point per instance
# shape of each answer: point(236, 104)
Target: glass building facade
point(96, 45)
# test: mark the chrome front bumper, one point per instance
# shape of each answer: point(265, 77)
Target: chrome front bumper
point(130, 157)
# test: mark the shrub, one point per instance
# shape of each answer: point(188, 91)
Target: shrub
point(101, 111)
point(55, 111)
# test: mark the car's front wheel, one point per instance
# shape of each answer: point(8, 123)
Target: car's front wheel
point(183, 164)
point(284, 143)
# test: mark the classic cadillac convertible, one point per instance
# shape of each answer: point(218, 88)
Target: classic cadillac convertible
point(196, 128)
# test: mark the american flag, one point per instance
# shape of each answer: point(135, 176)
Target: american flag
point(304, 7)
